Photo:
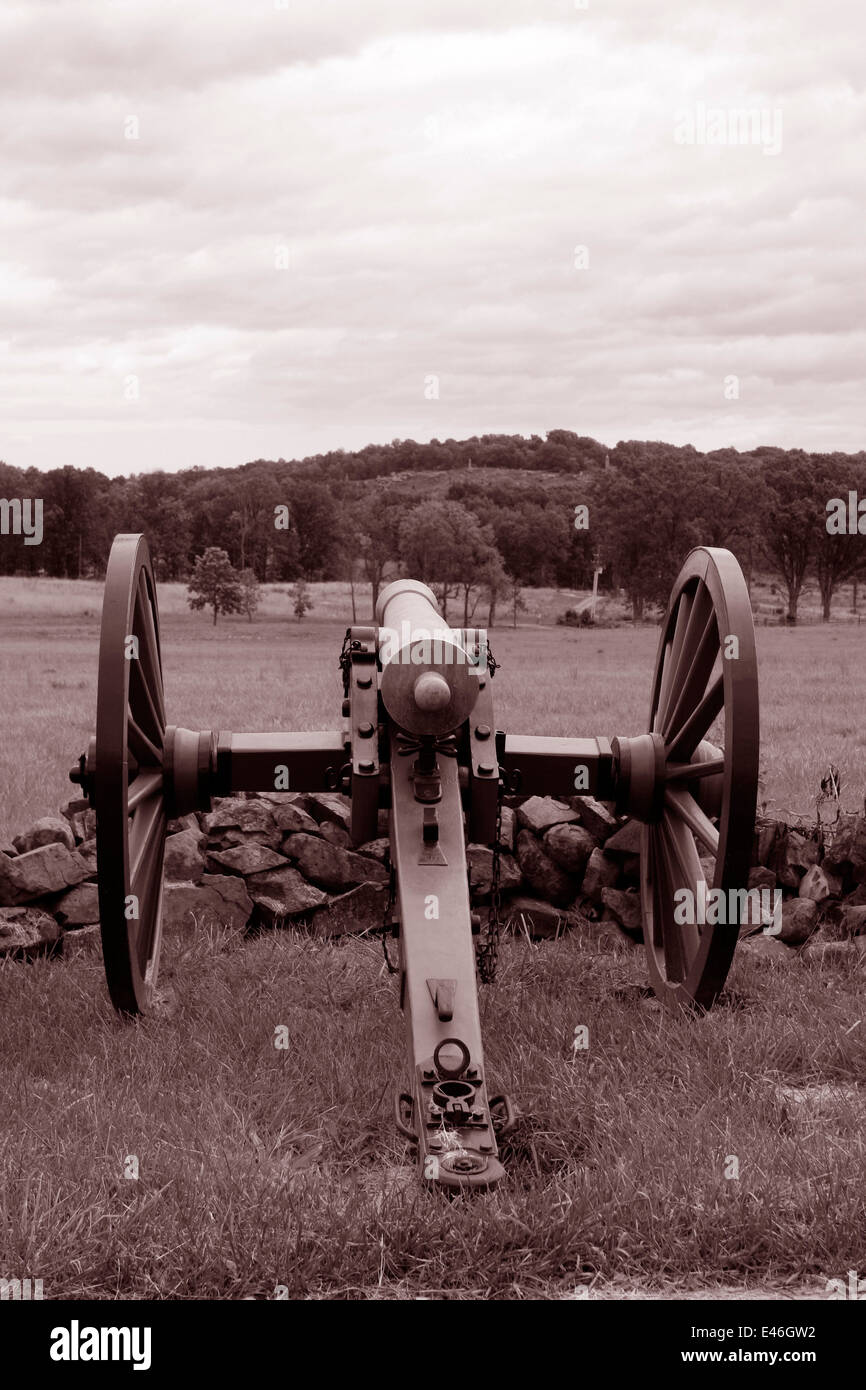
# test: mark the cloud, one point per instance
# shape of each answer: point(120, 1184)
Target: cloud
point(316, 211)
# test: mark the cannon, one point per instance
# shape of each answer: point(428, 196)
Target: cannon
point(419, 738)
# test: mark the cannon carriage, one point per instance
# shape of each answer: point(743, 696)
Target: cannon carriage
point(419, 738)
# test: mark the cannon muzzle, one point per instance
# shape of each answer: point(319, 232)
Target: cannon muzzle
point(429, 675)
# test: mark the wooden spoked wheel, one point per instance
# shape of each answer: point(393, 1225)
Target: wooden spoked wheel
point(704, 726)
point(128, 776)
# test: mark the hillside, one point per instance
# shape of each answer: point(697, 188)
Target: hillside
point(495, 513)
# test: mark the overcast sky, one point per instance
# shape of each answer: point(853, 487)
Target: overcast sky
point(334, 210)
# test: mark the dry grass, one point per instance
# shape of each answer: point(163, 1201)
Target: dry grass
point(261, 1168)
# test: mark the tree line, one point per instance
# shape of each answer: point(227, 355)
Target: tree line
point(442, 513)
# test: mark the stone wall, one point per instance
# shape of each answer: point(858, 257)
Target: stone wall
point(286, 859)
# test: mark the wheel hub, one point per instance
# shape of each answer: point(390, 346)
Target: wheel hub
point(639, 766)
point(188, 764)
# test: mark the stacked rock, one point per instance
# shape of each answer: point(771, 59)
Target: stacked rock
point(285, 858)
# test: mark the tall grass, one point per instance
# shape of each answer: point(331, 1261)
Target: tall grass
point(260, 1168)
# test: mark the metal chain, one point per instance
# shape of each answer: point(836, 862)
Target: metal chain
point(346, 660)
point(488, 950)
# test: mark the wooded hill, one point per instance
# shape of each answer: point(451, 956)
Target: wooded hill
point(488, 513)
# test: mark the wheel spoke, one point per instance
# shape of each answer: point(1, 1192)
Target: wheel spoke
point(687, 772)
point(671, 658)
point(666, 883)
point(146, 830)
point(152, 669)
point(654, 872)
point(698, 659)
point(144, 750)
point(684, 806)
point(143, 788)
point(695, 620)
point(145, 939)
point(690, 876)
point(681, 841)
point(145, 706)
point(147, 888)
point(683, 744)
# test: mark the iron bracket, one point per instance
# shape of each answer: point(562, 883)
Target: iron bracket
point(364, 732)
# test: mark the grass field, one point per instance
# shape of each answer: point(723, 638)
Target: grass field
point(261, 1168)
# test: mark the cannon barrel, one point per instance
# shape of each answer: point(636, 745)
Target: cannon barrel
point(429, 675)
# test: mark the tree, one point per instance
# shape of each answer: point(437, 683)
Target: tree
point(490, 577)
point(796, 507)
point(643, 519)
point(249, 592)
point(214, 584)
point(838, 557)
point(731, 500)
point(284, 542)
point(444, 543)
point(210, 496)
point(256, 495)
point(69, 496)
point(375, 525)
point(430, 545)
point(367, 530)
point(481, 568)
point(518, 602)
point(315, 509)
point(349, 562)
point(301, 602)
point(530, 538)
point(157, 506)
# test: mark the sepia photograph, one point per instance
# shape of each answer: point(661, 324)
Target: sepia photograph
point(432, 671)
